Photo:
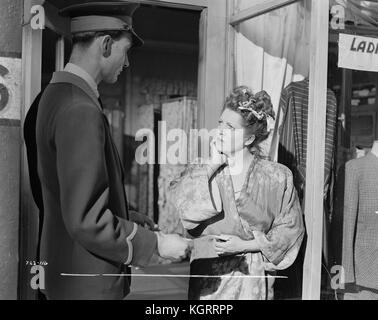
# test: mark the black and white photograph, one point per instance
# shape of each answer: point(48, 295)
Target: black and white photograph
point(186, 150)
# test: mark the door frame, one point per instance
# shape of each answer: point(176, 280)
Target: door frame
point(316, 132)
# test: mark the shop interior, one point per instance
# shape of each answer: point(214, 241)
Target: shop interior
point(357, 130)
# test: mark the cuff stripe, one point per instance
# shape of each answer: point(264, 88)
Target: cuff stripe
point(130, 244)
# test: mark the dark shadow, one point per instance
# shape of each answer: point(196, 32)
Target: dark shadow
point(197, 232)
point(291, 287)
point(213, 267)
point(32, 157)
point(336, 232)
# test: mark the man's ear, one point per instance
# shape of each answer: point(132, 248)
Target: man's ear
point(107, 43)
point(250, 140)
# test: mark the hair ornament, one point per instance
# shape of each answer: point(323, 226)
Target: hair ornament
point(249, 106)
point(270, 123)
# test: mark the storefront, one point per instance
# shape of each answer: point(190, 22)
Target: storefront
point(263, 44)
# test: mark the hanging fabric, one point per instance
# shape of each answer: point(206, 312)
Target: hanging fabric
point(176, 114)
point(272, 50)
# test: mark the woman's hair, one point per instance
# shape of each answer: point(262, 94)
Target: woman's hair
point(255, 110)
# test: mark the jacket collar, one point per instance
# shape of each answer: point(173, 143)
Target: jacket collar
point(67, 77)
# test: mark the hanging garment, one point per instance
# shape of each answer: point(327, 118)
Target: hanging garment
point(145, 172)
point(360, 227)
point(293, 140)
point(293, 153)
point(177, 114)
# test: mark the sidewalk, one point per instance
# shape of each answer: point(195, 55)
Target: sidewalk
point(160, 287)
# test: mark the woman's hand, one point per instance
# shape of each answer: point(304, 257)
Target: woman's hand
point(227, 244)
point(217, 157)
point(143, 220)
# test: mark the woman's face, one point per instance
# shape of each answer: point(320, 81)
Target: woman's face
point(232, 136)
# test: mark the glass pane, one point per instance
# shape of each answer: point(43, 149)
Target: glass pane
point(351, 227)
point(241, 5)
point(272, 54)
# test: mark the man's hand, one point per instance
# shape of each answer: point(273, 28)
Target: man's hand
point(172, 246)
point(143, 220)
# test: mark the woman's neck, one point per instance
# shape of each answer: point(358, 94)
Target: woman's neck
point(240, 161)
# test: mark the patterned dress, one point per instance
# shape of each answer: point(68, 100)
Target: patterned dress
point(267, 210)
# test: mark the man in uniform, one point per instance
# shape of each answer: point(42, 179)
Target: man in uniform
point(87, 228)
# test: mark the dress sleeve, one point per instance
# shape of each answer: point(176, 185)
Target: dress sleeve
point(281, 244)
point(194, 196)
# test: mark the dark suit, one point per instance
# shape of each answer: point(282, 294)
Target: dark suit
point(85, 227)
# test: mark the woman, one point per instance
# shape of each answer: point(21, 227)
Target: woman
point(242, 210)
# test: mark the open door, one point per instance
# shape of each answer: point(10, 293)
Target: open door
point(215, 64)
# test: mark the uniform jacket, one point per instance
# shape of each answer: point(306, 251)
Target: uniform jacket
point(360, 227)
point(85, 227)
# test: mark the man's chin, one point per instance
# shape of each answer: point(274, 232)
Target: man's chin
point(111, 81)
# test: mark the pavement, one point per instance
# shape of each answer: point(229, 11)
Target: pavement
point(160, 282)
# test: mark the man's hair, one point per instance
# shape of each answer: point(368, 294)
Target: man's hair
point(85, 39)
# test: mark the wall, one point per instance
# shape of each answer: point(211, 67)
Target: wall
point(10, 91)
point(157, 74)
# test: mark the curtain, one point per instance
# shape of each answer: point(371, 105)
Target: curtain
point(144, 183)
point(272, 50)
point(177, 114)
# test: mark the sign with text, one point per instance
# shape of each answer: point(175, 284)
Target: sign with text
point(358, 53)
